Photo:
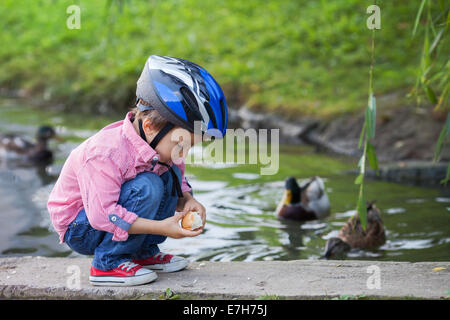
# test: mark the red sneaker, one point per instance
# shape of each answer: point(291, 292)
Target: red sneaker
point(163, 262)
point(126, 274)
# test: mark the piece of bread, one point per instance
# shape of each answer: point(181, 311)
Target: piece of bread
point(191, 221)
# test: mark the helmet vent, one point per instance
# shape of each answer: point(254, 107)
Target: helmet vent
point(190, 105)
point(188, 96)
point(212, 117)
point(222, 110)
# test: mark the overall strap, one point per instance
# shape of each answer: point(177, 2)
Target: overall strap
point(176, 187)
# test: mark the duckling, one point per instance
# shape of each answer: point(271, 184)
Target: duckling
point(306, 202)
point(16, 147)
point(352, 234)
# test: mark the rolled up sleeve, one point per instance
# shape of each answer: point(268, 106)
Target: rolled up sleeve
point(100, 182)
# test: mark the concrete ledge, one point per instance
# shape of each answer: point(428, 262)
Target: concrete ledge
point(53, 278)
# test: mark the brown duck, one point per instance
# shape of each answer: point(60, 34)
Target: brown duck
point(352, 234)
point(306, 202)
point(18, 148)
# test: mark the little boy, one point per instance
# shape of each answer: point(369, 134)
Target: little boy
point(118, 191)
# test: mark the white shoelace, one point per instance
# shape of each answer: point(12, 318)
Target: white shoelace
point(160, 256)
point(127, 266)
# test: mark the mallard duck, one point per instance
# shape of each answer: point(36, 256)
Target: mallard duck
point(16, 147)
point(352, 234)
point(306, 202)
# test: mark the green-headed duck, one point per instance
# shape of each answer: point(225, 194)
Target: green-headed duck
point(309, 201)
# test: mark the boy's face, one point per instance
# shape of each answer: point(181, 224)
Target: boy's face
point(175, 144)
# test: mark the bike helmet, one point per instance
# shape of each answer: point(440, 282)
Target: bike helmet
point(183, 92)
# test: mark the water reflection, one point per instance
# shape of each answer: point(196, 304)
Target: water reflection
point(241, 223)
point(24, 190)
point(25, 222)
point(251, 206)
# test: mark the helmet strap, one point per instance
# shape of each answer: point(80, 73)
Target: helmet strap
point(141, 131)
point(169, 126)
point(176, 188)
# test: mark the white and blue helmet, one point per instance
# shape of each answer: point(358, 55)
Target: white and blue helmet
point(183, 92)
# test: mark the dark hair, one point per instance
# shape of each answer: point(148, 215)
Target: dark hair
point(156, 120)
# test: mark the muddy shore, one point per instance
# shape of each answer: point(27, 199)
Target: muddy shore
point(402, 133)
point(405, 139)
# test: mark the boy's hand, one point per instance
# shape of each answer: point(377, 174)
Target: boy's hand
point(193, 205)
point(171, 228)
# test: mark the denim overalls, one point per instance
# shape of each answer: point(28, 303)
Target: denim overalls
point(149, 196)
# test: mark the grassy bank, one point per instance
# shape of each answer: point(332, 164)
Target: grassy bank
point(300, 56)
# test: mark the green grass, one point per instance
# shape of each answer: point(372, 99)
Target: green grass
point(309, 57)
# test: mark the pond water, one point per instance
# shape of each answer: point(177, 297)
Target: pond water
point(240, 203)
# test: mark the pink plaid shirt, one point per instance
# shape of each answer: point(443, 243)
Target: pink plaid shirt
point(93, 174)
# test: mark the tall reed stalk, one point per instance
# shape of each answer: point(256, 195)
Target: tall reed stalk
point(367, 134)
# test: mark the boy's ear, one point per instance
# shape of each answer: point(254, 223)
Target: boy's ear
point(148, 127)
